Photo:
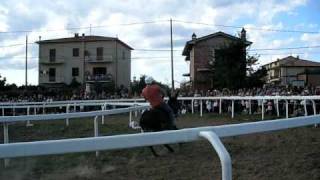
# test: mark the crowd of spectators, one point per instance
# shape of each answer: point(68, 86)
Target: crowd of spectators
point(265, 91)
point(295, 107)
point(60, 96)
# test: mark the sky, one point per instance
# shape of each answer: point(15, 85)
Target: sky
point(277, 28)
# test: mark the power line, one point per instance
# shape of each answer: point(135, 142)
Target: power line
point(161, 21)
point(85, 27)
point(251, 28)
point(157, 50)
point(285, 48)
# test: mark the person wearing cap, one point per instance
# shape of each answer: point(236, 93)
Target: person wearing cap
point(154, 94)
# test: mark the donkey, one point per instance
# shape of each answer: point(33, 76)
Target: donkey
point(161, 118)
point(156, 120)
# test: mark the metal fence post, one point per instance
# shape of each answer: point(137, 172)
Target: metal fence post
point(201, 108)
point(130, 119)
point(6, 140)
point(220, 106)
point(262, 109)
point(103, 108)
point(250, 108)
point(314, 107)
point(287, 109)
point(232, 109)
point(96, 131)
point(67, 111)
point(28, 121)
point(305, 107)
point(192, 108)
point(225, 159)
point(43, 109)
point(277, 106)
point(314, 110)
point(135, 112)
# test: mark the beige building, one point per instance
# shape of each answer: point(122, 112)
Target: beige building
point(293, 71)
point(201, 54)
point(87, 59)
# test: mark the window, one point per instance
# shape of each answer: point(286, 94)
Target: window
point(75, 52)
point(52, 55)
point(52, 74)
point(99, 53)
point(99, 71)
point(212, 57)
point(86, 53)
point(75, 72)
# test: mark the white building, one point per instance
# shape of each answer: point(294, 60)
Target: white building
point(87, 59)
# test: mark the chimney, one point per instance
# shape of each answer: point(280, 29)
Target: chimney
point(297, 56)
point(194, 36)
point(243, 34)
point(76, 35)
point(39, 38)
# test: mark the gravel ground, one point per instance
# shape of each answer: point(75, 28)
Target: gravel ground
point(288, 154)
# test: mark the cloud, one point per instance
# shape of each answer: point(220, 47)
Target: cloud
point(43, 16)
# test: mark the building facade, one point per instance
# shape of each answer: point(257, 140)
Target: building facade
point(86, 59)
point(293, 71)
point(201, 54)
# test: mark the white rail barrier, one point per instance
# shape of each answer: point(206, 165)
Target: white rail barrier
point(129, 102)
point(36, 148)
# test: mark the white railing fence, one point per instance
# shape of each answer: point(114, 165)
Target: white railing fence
point(212, 134)
point(261, 100)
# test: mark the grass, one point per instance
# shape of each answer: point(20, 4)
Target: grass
point(261, 156)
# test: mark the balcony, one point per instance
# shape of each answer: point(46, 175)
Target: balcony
point(48, 62)
point(99, 78)
point(101, 59)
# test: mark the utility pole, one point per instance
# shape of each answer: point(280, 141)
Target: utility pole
point(84, 64)
point(116, 78)
point(26, 83)
point(172, 79)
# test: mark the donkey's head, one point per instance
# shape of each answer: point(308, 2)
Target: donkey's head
point(174, 103)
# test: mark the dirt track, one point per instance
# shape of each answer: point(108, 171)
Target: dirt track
point(288, 154)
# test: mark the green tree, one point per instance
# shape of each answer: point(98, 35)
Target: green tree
point(229, 67)
point(2, 82)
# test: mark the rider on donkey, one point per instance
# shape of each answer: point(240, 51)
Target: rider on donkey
point(154, 94)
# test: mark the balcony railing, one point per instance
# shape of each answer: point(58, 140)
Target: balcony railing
point(48, 62)
point(99, 59)
point(99, 78)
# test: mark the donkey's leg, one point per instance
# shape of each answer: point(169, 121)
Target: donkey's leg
point(169, 148)
point(153, 151)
